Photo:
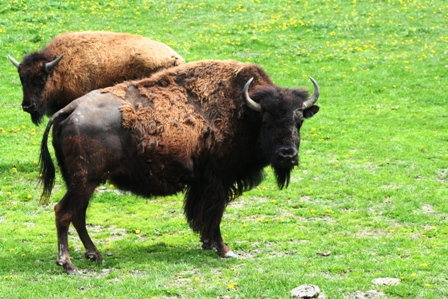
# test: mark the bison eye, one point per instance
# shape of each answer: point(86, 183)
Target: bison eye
point(266, 120)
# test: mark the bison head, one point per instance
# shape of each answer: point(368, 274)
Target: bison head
point(34, 72)
point(281, 112)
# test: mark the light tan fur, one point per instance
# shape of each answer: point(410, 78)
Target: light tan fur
point(98, 59)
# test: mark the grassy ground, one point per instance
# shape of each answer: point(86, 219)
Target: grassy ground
point(371, 187)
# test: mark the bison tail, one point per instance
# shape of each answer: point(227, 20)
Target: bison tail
point(47, 169)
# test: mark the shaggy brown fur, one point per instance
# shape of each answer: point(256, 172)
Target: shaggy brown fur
point(165, 119)
point(91, 60)
point(188, 128)
point(198, 80)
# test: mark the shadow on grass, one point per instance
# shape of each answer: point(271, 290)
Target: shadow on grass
point(124, 259)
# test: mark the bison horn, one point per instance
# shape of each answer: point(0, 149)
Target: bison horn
point(313, 99)
point(15, 62)
point(249, 102)
point(49, 66)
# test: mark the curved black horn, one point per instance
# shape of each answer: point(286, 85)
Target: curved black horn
point(313, 99)
point(249, 102)
point(49, 66)
point(15, 62)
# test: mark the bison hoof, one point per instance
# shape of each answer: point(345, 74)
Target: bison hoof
point(93, 256)
point(69, 268)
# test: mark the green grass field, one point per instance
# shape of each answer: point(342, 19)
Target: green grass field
point(372, 187)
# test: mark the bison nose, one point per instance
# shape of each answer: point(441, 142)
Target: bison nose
point(288, 156)
point(29, 108)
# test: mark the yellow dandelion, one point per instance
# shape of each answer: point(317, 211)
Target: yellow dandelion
point(137, 231)
point(414, 274)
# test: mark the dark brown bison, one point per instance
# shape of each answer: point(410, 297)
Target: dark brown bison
point(74, 63)
point(206, 128)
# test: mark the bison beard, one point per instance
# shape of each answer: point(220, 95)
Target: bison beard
point(192, 128)
point(37, 116)
point(282, 176)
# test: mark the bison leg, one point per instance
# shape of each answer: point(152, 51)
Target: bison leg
point(79, 222)
point(72, 209)
point(204, 207)
point(63, 219)
point(216, 243)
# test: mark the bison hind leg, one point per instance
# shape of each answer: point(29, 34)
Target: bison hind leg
point(72, 210)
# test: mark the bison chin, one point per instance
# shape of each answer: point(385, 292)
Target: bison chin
point(37, 116)
point(282, 175)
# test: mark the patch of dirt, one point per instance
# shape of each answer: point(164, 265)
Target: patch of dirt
point(442, 177)
point(428, 210)
point(368, 294)
point(307, 291)
point(103, 189)
point(386, 281)
point(93, 230)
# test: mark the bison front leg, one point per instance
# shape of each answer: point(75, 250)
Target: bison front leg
point(204, 211)
point(216, 242)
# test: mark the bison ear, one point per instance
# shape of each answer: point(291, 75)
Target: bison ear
point(311, 111)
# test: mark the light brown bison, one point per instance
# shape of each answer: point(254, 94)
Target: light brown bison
point(74, 63)
point(207, 128)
